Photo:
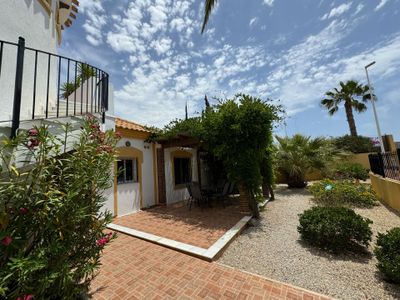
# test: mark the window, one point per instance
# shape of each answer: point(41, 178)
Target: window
point(127, 171)
point(182, 170)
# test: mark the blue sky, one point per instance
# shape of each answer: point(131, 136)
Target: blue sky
point(292, 51)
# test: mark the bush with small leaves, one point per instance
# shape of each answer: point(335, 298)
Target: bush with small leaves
point(334, 229)
point(343, 193)
point(387, 252)
point(347, 170)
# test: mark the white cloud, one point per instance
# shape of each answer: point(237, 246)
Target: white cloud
point(253, 21)
point(337, 11)
point(268, 2)
point(381, 4)
point(95, 21)
point(359, 8)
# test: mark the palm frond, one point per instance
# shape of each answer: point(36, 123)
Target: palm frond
point(208, 6)
point(358, 106)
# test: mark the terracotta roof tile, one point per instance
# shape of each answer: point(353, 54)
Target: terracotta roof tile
point(130, 125)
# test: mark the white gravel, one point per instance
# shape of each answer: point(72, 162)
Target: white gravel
point(273, 249)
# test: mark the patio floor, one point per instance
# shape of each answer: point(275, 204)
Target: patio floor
point(197, 227)
point(136, 269)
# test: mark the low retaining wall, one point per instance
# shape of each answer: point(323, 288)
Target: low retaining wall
point(387, 189)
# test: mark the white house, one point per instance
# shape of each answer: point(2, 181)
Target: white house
point(148, 173)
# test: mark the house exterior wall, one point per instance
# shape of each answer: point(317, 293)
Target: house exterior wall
point(173, 193)
point(30, 20)
point(131, 197)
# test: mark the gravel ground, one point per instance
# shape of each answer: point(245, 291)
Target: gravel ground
point(273, 249)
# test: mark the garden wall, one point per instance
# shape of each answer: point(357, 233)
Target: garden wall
point(387, 189)
point(359, 158)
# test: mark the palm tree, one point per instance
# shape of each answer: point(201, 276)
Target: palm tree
point(85, 71)
point(298, 155)
point(208, 6)
point(67, 88)
point(350, 93)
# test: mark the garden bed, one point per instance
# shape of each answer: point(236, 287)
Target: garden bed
point(273, 249)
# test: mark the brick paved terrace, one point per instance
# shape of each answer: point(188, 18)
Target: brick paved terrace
point(199, 227)
point(136, 269)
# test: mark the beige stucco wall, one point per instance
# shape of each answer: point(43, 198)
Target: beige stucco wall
point(387, 189)
point(174, 194)
point(359, 158)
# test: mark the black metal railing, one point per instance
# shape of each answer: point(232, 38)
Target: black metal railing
point(44, 85)
point(386, 164)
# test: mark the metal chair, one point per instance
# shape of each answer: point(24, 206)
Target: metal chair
point(191, 198)
point(197, 194)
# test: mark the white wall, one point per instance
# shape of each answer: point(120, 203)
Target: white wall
point(175, 195)
point(26, 18)
point(128, 194)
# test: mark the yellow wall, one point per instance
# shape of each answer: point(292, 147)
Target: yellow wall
point(387, 189)
point(360, 158)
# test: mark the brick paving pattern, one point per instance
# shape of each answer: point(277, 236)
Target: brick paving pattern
point(198, 227)
point(136, 269)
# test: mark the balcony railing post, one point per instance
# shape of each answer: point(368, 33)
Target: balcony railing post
point(104, 96)
point(18, 87)
point(381, 165)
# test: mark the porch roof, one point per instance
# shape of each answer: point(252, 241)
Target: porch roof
point(179, 140)
point(125, 124)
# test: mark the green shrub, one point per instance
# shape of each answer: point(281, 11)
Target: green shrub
point(347, 170)
point(355, 144)
point(387, 252)
point(343, 193)
point(51, 225)
point(334, 228)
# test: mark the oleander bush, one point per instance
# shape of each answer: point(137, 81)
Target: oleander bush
point(387, 252)
point(347, 170)
point(51, 223)
point(343, 193)
point(334, 229)
point(355, 144)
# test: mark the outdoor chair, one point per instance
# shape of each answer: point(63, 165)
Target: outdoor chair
point(220, 185)
point(223, 196)
point(191, 198)
point(198, 196)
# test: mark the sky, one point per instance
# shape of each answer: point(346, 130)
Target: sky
point(289, 51)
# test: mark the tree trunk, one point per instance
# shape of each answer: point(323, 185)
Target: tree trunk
point(268, 192)
point(265, 189)
point(297, 181)
point(247, 201)
point(350, 118)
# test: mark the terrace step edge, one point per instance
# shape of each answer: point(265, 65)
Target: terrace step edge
point(214, 251)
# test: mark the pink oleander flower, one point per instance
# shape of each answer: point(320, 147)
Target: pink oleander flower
point(95, 126)
point(104, 148)
point(23, 210)
point(32, 143)
point(33, 132)
point(6, 240)
point(25, 297)
point(101, 242)
point(118, 134)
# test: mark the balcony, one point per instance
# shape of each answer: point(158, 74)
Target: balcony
point(38, 85)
